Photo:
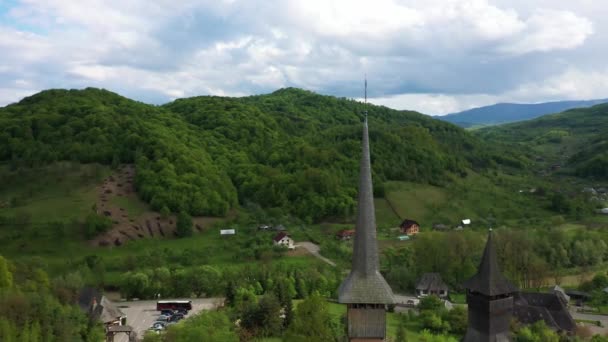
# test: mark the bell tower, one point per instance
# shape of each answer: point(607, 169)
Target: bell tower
point(364, 291)
point(490, 300)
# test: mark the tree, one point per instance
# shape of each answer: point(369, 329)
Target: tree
point(208, 326)
point(457, 318)
point(537, 332)
point(430, 303)
point(312, 321)
point(401, 334)
point(165, 212)
point(6, 277)
point(263, 318)
point(205, 280)
point(184, 225)
point(135, 285)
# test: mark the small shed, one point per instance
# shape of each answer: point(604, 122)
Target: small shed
point(282, 239)
point(345, 234)
point(466, 222)
point(440, 227)
point(409, 227)
point(264, 227)
point(403, 237)
point(227, 232)
point(431, 284)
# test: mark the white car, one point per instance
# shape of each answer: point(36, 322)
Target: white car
point(163, 318)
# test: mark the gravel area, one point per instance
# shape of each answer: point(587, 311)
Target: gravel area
point(141, 314)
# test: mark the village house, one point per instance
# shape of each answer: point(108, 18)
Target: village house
point(345, 234)
point(99, 308)
point(282, 239)
point(431, 284)
point(409, 227)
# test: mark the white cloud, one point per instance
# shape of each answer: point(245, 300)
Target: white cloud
point(435, 56)
point(571, 84)
point(548, 30)
point(435, 104)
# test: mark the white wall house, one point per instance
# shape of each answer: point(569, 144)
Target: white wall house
point(282, 239)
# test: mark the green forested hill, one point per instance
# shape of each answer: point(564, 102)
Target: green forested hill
point(292, 149)
point(576, 139)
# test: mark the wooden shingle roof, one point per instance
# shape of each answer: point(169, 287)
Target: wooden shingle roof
point(365, 284)
point(489, 280)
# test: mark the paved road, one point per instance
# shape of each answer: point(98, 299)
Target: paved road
point(591, 317)
point(141, 314)
point(314, 250)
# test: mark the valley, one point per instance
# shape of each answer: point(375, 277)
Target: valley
point(109, 217)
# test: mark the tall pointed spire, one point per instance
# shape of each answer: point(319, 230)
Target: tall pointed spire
point(490, 300)
point(489, 280)
point(365, 284)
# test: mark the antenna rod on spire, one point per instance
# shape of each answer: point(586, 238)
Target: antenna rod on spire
point(365, 103)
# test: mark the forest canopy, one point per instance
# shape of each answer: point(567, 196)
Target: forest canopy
point(292, 149)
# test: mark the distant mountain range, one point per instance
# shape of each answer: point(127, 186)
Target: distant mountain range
point(511, 112)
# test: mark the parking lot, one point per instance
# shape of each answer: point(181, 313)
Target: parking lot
point(141, 314)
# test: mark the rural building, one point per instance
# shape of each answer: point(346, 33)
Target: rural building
point(561, 294)
point(440, 227)
point(99, 308)
point(409, 227)
point(227, 232)
point(345, 234)
point(282, 239)
point(403, 238)
point(465, 222)
point(530, 308)
point(431, 284)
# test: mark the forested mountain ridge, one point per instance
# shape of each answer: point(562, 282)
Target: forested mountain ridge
point(292, 149)
point(502, 113)
point(576, 139)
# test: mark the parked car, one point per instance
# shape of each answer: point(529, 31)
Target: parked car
point(159, 324)
point(167, 312)
point(176, 317)
point(164, 318)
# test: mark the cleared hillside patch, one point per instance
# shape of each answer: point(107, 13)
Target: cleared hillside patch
point(420, 202)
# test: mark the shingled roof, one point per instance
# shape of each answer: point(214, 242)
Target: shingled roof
point(489, 280)
point(532, 307)
point(365, 284)
point(97, 306)
point(431, 282)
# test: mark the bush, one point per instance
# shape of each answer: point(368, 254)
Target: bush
point(95, 224)
point(184, 225)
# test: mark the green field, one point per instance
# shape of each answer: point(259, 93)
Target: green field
point(63, 191)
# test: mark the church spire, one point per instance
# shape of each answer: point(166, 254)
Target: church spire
point(489, 280)
point(365, 284)
point(490, 300)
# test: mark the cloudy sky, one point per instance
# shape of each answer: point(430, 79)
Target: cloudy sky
point(434, 56)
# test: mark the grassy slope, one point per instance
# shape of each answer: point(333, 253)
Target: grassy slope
point(490, 200)
point(558, 137)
